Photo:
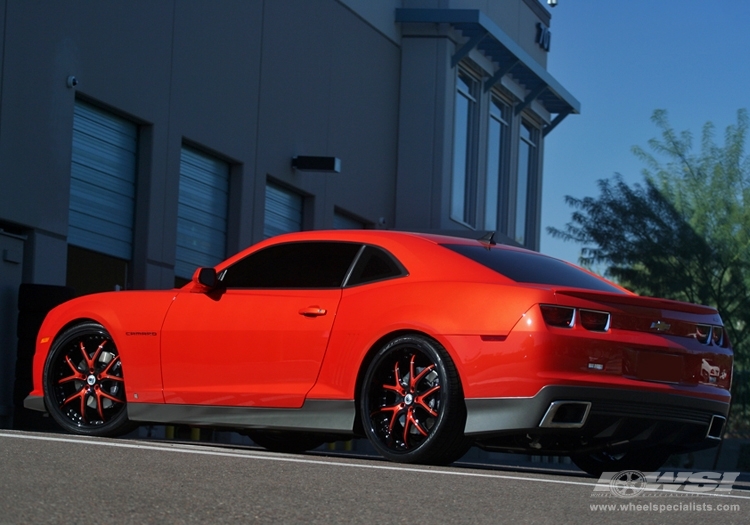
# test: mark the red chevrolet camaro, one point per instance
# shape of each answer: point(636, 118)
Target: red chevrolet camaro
point(424, 344)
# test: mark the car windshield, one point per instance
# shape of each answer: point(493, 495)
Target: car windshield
point(527, 267)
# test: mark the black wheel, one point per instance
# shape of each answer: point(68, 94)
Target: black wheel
point(84, 388)
point(643, 460)
point(411, 403)
point(289, 442)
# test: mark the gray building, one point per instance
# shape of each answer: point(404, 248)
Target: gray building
point(141, 139)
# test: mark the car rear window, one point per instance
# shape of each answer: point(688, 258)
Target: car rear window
point(526, 267)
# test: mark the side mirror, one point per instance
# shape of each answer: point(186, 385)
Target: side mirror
point(206, 277)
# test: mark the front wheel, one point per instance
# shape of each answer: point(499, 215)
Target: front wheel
point(411, 403)
point(84, 388)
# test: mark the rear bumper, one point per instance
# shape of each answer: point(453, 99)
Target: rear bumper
point(611, 411)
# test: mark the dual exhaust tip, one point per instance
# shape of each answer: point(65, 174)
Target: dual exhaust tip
point(573, 414)
point(566, 414)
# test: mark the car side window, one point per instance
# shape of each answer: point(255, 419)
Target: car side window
point(293, 265)
point(375, 264)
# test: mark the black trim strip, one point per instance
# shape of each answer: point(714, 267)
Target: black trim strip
point(315, 415)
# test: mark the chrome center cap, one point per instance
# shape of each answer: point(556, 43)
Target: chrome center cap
point(91, 380)
point(408, 399)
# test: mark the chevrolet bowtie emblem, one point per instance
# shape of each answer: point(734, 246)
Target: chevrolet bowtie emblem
point(660, 326)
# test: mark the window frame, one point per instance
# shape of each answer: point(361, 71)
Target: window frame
point(463, 207)
point(523, 206)
point(345, 281)
point(403, 272)
point(500, 113)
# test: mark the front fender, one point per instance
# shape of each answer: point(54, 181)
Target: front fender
point(134, 321)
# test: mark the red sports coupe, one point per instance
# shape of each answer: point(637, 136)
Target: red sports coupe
point(424, 344)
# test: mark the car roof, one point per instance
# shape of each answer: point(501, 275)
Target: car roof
point(416, 251)
point(365, 236)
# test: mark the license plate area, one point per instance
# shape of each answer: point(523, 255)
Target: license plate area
point(656, 366)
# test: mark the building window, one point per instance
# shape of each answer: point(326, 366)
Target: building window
point(202, 207)
point(463, 185)
point(496, 161)
point(283, 213)
point(527, 166)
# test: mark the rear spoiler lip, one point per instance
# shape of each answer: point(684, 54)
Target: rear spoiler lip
point(637, 300)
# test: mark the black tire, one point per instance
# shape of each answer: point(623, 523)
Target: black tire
point(288, 442)
point(643, 460)
point(84, 387)
point(411, 403)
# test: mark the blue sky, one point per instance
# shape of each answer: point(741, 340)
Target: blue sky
point(622, 60)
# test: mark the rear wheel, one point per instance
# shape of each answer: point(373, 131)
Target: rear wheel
point(411, 403)
point(84, 388)
point(643, 460)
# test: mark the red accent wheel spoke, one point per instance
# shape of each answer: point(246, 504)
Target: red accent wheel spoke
point(411, 420)
point(81, 394)
point(76, 373)
point(89, 361)
point(104, 375)
point(100, 396)
point(415, 380)
point(99, 408)
point(396, 387)
point(77, 395)
point(395, 410)
point(421, 375)
point(98, 351)
point(420, 400)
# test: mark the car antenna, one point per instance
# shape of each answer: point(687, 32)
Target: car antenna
point(488, 240)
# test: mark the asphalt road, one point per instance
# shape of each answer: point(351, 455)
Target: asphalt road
point(54, 478)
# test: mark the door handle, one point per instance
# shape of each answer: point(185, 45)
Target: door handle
point(312, 311)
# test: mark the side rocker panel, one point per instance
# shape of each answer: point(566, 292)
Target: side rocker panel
point(315, 415)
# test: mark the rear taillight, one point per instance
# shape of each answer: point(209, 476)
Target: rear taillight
point(702, 333)
point(567, 317)
point(560, 316)
point(707, 334)
point(717, 335)
point(594, 320)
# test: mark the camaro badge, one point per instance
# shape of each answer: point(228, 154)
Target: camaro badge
point(660, 326)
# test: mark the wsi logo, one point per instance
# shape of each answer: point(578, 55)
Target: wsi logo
point(632, 483)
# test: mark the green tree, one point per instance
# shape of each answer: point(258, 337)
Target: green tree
point(684, 233)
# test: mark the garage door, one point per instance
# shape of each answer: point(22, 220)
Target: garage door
point(201, 212)
point(102, 186)
point(283, 211)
